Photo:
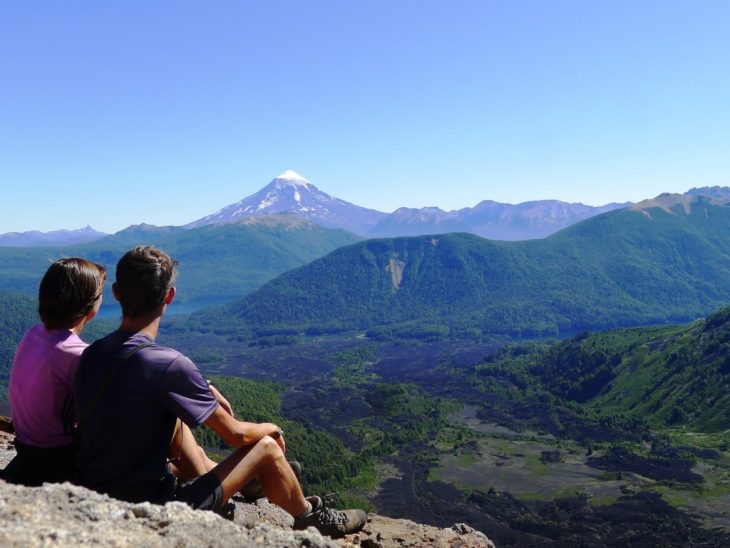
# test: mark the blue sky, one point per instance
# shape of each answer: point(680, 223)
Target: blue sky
point(115, 113)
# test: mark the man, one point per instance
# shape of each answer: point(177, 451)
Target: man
point(130, 393)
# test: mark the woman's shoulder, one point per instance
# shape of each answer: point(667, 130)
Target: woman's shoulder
point(40, 339)
point(71, 343)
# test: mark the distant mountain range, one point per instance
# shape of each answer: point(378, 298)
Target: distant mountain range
point(35, 238)
point(488, 219)
point(292, 193)
point(663, 260)
point(228, 255)
point(719, 193)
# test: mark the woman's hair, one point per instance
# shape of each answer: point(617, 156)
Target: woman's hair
point(68, 291)
point(144, 276)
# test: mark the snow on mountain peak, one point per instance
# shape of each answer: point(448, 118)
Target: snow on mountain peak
point(289, 192)
point(293, 177)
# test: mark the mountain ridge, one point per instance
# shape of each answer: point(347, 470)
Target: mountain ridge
point(620, 268)
point(35, 238)
point(291, 192)
point(490, 219)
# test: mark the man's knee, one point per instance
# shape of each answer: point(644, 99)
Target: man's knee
point(265, 451)
point(270, 448)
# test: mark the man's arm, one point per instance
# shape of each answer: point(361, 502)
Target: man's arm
point(239, 433)
point(221, 400)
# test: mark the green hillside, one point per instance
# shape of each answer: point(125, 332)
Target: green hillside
point(667, 376)
point(218, 263)
point(17, 314)
point(667, 260)
point(680, 378)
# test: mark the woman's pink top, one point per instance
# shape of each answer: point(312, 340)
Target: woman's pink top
point(41, 386)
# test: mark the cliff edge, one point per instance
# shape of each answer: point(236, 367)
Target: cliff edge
point(69, 515)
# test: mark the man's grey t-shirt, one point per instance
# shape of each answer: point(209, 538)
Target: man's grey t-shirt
point(125, 443)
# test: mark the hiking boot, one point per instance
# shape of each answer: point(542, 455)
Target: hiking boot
point(227, 511)
point(253, 490)
point(331, 522)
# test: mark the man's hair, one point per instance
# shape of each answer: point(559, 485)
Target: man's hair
point(144, 276)
point(68, 291)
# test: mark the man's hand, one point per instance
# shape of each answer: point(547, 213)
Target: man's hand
point(238, 433)
point(221, 400)
point(279, 437)
point(272, 430)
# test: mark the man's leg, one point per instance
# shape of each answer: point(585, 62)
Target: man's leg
point(266, 461)
point(187, 459)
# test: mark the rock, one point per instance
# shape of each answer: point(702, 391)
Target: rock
point(65, 515)
point(7, 449)
point(69, 515)
point(262, 511)
point(381, 531)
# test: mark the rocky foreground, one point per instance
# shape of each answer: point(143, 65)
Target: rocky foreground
point(68, 515)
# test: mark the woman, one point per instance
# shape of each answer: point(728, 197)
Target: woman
point(42, 376)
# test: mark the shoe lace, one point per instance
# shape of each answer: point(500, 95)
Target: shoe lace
point(329, 514)
point(329, 499)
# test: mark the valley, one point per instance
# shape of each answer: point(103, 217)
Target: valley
point(441, 440)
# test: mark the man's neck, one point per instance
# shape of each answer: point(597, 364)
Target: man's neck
point(146, 325)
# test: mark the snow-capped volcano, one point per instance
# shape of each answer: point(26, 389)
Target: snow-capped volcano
point(292, 193)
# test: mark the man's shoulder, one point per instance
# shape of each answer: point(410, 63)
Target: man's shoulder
point(143, 350)
point(120, 343)
point(158, 352)
point(154, 354)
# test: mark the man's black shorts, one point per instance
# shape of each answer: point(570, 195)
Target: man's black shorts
point(202, 493)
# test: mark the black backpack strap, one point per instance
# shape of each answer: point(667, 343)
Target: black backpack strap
point(83, 421)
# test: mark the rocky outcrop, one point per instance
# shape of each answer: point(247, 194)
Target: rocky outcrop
point(69, 515)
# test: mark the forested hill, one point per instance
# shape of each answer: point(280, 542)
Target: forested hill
point(667, 376)
point(17, 314)
point(666, 260)
point(218, 263)
point(681, 378)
